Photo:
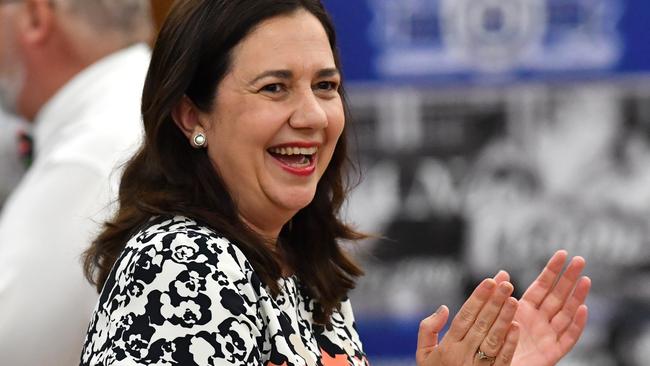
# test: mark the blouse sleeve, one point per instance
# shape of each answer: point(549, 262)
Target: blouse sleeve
point(178, 298)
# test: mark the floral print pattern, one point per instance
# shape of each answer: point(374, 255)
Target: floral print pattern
point(181, 294)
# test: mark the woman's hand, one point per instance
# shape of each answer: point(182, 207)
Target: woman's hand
point(551, 313)
point(484, 323)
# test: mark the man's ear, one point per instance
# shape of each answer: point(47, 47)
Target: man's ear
point(40, 21)
point(186, 117)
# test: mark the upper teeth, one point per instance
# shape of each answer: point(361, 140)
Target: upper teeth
point(294, 150)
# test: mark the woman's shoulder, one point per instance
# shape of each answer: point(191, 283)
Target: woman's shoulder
point(184, 239)
point(164, 230)
point(169, 244)
point(178, 285)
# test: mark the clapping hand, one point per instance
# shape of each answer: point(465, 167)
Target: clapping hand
point(493, 328)
point(482, 334)
point(552, 313)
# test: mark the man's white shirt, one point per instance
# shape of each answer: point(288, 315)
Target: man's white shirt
point(83, 135)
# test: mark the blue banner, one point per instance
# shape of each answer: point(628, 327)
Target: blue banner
point(495, 41)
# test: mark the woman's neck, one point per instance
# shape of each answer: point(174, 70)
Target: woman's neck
point(271, 237)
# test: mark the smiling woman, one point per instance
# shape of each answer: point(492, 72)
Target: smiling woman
point(225, 246)
point(253, 206)
point(278, 115)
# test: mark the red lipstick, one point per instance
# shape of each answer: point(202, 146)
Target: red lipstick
point(297, 164)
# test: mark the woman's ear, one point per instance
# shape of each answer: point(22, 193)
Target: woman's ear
point(187, 117)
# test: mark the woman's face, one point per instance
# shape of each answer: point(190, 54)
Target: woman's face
point(276, 119)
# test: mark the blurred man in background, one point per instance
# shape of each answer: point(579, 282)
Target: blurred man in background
point(74, 69)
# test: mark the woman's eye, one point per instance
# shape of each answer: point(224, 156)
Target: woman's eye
point(272, 88)
point(327, 85)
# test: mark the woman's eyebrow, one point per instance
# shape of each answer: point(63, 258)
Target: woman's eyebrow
point(329, 72)
point(280, 74)
point(288, 74)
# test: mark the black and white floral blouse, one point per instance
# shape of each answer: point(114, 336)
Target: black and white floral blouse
point(180, 294)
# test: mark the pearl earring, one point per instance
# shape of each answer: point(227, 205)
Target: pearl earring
point(199, 140)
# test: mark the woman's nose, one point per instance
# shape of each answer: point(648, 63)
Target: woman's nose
point(309, 112)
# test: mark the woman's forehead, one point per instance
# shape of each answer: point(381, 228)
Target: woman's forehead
point(285, 42)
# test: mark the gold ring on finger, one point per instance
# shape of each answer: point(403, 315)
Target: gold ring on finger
point(484, 357)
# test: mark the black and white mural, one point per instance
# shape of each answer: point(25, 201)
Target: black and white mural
point(490, 134)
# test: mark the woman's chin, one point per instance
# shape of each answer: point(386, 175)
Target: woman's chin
point(296, 200)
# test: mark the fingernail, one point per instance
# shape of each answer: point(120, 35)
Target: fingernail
point(437, 311)
point(512, 302)
point(489, 284)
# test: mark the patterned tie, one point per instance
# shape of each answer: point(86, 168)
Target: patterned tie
point(25, 147)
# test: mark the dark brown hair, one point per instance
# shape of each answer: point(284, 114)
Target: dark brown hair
point(168, 177)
